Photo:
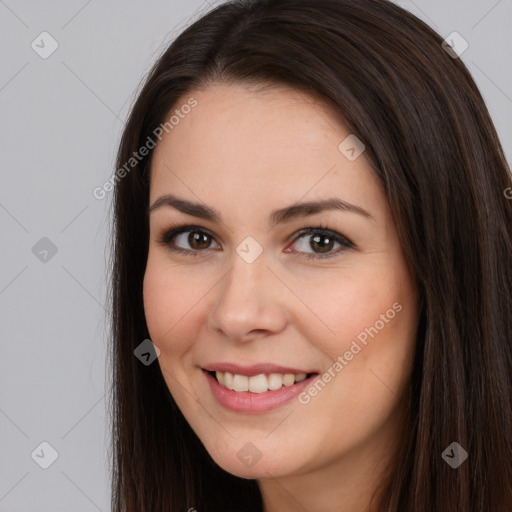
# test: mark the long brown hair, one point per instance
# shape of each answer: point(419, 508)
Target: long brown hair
point(430, 139)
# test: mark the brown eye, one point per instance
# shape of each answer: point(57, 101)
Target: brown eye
point(187, 239)
point(193, 241)
point(322, 242)
point(198, 240)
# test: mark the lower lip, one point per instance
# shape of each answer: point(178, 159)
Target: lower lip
point(245, 401)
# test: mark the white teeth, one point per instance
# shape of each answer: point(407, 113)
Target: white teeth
point(288, 379)
point(240, 383)
point(275, 381)
point(258, 383)
point(228, 380)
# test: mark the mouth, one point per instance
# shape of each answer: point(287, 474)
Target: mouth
point(245, 390)
point(260, 383)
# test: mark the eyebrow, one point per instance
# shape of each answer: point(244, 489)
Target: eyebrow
point(278, 216)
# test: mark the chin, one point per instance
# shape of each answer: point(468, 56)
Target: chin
point(249, 462)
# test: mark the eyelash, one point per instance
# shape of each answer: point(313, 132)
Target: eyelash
point(166, 238)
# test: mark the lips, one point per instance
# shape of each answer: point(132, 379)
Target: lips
point(255, 388)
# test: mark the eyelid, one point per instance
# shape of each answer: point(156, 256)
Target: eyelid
point(339, 238)
point(177, 229)
point(319, 228)
point(174, 230)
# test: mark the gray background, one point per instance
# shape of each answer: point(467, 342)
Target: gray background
point(61, 119)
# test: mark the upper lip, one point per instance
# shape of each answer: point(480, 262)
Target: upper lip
point(254, 369)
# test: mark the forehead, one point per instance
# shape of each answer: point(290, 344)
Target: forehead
point(273, 145)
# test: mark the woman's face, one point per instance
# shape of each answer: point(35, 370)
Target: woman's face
point(254, 294)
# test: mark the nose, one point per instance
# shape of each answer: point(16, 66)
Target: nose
point(249, 302)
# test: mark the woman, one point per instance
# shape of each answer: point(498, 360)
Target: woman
point(313, 235)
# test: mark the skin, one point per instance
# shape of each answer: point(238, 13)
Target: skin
point(244, 153)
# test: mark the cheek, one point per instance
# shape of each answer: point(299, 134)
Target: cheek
point(168, 301)
point(343, 307)
point(370, 358)
point(375, 346)
point(372, 320)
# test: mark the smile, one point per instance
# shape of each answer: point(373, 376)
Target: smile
point(255, 389)
point(258, 383)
